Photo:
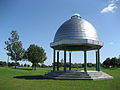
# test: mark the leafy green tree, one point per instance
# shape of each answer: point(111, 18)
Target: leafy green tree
point(2, 64)
point(113, 62)
point(35, 55)
point(107, 62)
point(14, 47)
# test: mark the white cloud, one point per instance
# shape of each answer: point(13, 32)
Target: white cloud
point(114, 1)
point(111, 43)
point(109, 8)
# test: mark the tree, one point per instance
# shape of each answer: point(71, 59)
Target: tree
point(2, 64)
point(107, 62)
point(14, 47)
point(35, 55)
point(113, 62)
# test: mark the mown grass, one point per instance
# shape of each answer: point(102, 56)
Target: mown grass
point(8, 82)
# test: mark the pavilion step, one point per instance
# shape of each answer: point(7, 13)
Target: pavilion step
point(77, 75)
point(69, 78)
point(59, 78)
point(64, 75)
point(54, 74)
point(68, 75)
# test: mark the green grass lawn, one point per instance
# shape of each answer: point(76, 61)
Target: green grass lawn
point(8, 82)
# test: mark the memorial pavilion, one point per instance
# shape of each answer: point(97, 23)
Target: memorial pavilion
point(76, 34)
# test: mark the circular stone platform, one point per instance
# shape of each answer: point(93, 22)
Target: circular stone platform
point(77, 75)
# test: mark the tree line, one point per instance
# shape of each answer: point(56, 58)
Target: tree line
point(34, 53)
point(111, 62)
point(73, 65)
point(12, 64)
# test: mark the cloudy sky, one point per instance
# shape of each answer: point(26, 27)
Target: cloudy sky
point(36, 21)
point(111, 7)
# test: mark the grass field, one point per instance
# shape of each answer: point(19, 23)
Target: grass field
point(8, 82)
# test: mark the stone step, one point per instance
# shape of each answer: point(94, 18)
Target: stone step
point(59, 78)
point(68, 74)
point(77, 75)
point(74, 77)
point(69, 78)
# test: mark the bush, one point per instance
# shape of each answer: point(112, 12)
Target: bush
point(2, 64)
point(113, 62)
point(10, 64)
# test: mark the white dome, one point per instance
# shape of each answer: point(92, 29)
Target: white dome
point(76, 28)
point(76, 32)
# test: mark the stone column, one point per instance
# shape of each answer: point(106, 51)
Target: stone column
point(85, 61)
point(64, 60)
point(69, 60)
point(57, 60)
point(98, 59)
point(54, 55)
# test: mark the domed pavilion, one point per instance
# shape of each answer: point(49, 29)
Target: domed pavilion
point(76, 34)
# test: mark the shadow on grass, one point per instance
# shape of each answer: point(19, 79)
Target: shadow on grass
point(22, 68)
point(30, 77)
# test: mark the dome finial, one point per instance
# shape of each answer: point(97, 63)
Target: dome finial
point(76, 15)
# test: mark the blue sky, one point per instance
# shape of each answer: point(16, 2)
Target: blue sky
point(36, 21)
